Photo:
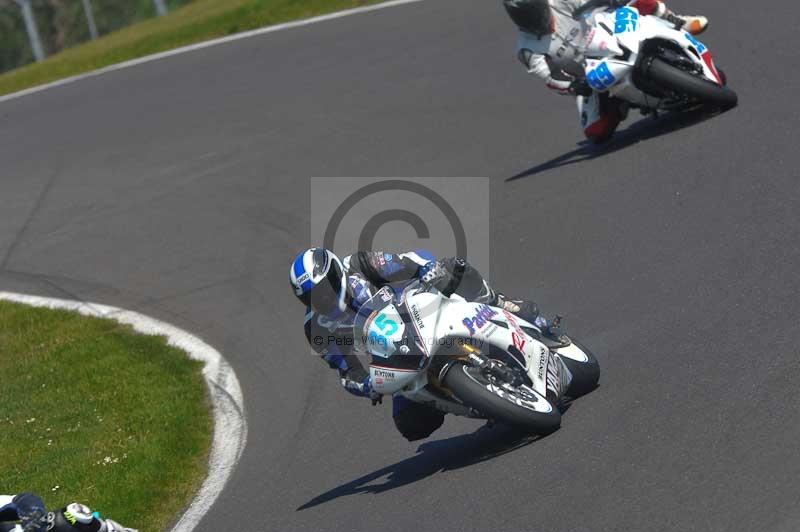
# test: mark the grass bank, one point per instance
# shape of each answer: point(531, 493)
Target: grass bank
point(94, 412)
point(198, 21)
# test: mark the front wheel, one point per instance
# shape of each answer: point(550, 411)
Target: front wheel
point(582, 365)
point(519, 406)
point(679, 81)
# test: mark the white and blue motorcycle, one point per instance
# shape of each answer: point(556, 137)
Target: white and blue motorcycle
point(470, 359)
point(646, 62)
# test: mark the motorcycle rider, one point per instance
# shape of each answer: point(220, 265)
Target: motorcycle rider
point(333, 290)
point(549, 46)
point(26, 512)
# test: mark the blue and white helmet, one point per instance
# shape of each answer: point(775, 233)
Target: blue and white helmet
point(319, 281)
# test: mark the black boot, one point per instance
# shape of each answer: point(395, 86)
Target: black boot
point(554, 329)
point(673, 19)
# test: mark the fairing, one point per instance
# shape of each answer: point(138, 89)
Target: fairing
point(614, 45)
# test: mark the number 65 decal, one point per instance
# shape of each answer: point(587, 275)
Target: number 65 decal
point(625, 20)
point(601, 77)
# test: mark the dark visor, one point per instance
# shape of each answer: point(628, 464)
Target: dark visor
point(324, 298)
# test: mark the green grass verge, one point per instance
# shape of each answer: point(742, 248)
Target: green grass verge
point(91, 411)
point(198, 21)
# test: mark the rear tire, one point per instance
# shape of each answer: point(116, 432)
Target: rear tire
point(476, 395)
point(683, 82)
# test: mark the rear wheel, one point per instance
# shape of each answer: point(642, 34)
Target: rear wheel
point(519, 406)
point(679, 81)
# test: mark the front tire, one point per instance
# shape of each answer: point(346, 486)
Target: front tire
point(585, 375)
point(677, 80)
point(476, 391)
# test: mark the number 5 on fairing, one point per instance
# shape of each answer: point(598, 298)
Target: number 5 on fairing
point(385, 323)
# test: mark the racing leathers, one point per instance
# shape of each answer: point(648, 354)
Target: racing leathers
point(366, 271)
point(557, 59)
point(26, 512)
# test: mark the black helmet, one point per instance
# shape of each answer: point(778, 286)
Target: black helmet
point(532, 16)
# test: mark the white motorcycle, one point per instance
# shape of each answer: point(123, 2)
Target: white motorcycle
point(470, 359)
point(646, 62)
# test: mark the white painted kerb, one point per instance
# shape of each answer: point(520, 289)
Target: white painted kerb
point(230, 425)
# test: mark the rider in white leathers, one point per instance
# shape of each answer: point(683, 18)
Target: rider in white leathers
point(550, 46)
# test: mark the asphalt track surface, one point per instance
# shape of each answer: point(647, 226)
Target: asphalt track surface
point(179, 189)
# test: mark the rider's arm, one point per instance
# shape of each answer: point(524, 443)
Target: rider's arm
point(353, 377)
point(537, 64)
point(8, 509)
point(445, 274)
point(382, 268)
point(24, 507)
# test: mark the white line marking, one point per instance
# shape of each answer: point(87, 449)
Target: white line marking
point(230, 425)
point(204, 44)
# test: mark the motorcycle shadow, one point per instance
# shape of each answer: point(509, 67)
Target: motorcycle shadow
point(641, 130)
point(433, 457)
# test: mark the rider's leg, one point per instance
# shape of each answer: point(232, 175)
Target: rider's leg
point(470, 284)
point(415, 421)
point(467, 282)
point(691, 23)
point(600, 116)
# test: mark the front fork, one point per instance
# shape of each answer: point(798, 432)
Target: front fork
point(559, 376)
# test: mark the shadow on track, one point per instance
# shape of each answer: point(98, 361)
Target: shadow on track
point(644, 129)
point(431, 458)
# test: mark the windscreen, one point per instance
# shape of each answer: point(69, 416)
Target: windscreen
point(378, 325)
point(381, 330)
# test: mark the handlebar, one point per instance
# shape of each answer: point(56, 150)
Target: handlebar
point(413, 288)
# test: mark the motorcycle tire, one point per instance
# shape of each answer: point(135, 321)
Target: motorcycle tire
point(697, 88)
point(465, 383)
point(585, 375)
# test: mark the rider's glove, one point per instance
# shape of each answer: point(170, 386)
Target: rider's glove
point(358, 382)
point(376, 398)
point(432, 272)
point(580, 87)
point(436, 274)
point(560, 86)
point(553, 329)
